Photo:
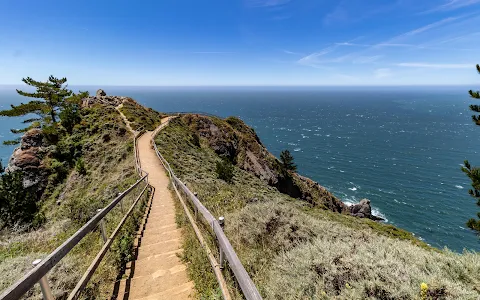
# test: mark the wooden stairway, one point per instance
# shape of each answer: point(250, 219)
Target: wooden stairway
point(157, 272)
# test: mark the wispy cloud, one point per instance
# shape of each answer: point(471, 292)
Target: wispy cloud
point(418, 41)
point(452, 5)
point(366, 59)
point(291, 52)
point(435, 66)
point(422, 29)
point(313, 59)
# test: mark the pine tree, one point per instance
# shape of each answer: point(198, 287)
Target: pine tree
point(474, 172)
point(287, 161)
point(50, 97)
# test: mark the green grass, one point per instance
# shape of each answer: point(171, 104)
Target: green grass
point(71, 199)
point(140, 116)
point(295, 251)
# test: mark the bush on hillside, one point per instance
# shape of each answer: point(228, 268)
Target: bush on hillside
point(224, 169)
point(18, 205)
point(287, 161)
point(80, 166)
point(196, 140)
point(70, 116)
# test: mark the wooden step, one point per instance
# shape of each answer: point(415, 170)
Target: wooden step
point(155, 237)
point(151, 264)
point(166, 281)
point(177, 293)
point(158, 248)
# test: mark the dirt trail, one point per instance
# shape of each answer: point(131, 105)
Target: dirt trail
point(157, 272)
point(129, 127)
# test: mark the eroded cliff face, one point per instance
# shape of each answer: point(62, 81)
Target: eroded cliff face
point(28, 158)
point(233, 139)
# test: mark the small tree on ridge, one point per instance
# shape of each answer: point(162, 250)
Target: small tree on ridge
point(474, 172)
point(50, 97)
point(286, 159)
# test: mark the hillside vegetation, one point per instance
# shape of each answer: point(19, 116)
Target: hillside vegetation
point(141, 117)
point(79, 173)
point(296, 245)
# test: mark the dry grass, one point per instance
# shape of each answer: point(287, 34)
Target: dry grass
point(108, 155)
point(314, 257)
point(293, 251)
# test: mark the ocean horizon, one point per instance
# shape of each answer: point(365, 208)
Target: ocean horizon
point(399, 146)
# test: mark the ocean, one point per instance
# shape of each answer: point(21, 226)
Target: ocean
point(400, 147)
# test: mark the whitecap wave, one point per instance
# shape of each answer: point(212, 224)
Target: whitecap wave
point(459, 186)
point(353, 189)
point(297, 149)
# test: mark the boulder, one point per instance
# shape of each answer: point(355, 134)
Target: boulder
point(363, 209)
point(102, 98)
point(101, 93)
point(32, 138)
point(28, 159)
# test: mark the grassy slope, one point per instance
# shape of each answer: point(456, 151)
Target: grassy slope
point(107, 150)
point(293, 251)
point(139, 116)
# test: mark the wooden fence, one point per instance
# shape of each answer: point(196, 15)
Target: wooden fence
point(226, 250)
point(39, 273)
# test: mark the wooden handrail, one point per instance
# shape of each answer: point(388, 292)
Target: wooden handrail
point(22, 286)
point(94, 265)
point(247, 286)
point(19, 288)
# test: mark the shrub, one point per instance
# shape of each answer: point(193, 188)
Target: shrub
point(51, 134)
point(224, 170)
point(18, 205)
point(287, 161)
point(70, 116)
point(106, 138)
point(80, 166)
point(196, 140)
point(59, 170)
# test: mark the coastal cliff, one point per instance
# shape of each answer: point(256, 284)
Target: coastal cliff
point(295, 238)
point(232, 139)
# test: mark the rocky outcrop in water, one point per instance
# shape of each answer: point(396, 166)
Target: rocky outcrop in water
point(28, 159)
point(363, 209)
point(102, 98)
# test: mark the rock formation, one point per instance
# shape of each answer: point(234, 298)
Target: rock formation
point(233, 139)
point(28, 159)
point(102, 98)
point(363, 210)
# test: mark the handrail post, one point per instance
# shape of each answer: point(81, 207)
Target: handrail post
point(221, 221)
point(46, 291)
point(196, 209)
point(103, 230)
point(121, 204)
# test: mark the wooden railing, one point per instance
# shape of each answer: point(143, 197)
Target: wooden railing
point(226, 250)
point(39, 273)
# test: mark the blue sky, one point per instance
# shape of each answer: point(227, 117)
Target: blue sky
point(244, 42)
